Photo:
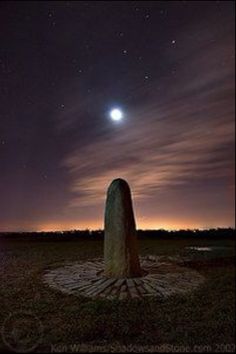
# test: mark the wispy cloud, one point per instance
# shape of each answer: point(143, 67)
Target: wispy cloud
point(178, 136)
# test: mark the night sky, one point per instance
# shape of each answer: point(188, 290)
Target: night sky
point(168, 66)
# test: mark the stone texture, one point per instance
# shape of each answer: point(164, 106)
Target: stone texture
point(120, 245)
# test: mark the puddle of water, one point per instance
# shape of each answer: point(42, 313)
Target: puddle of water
point(204, 249)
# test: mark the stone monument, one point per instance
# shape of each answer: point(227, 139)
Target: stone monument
point(119, 274)
point(120, 245)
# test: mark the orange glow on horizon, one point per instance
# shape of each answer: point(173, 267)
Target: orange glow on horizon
point(145, 225)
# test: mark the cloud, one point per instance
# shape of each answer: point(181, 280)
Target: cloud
point(181, 135)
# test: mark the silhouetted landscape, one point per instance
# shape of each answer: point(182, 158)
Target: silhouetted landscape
point(219, 233)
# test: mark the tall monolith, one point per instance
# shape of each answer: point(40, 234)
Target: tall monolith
point(120, 245)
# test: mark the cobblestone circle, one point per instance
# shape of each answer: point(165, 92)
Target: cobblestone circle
point(161, 278)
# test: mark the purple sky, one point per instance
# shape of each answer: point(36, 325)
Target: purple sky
point(168, 65)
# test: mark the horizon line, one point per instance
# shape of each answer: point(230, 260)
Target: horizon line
point(138, 229)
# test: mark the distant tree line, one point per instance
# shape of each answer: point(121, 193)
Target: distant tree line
point(99, 234)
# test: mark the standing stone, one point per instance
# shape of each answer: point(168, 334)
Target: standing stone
point(120, 246)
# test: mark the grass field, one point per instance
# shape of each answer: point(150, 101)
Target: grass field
point(203, 318)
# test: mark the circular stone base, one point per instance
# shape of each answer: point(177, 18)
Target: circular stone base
point(162, 278)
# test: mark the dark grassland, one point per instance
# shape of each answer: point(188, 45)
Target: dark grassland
point(205, 317)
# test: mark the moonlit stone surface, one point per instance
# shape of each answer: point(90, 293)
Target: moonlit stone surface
point(120, 245)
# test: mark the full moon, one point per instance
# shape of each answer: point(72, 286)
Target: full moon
point(116, 114)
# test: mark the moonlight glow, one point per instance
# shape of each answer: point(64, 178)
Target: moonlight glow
point(116, 114)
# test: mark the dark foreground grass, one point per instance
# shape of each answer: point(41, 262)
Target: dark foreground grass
point(204, 318)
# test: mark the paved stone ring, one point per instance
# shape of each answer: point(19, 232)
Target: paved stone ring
point(162, 278)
